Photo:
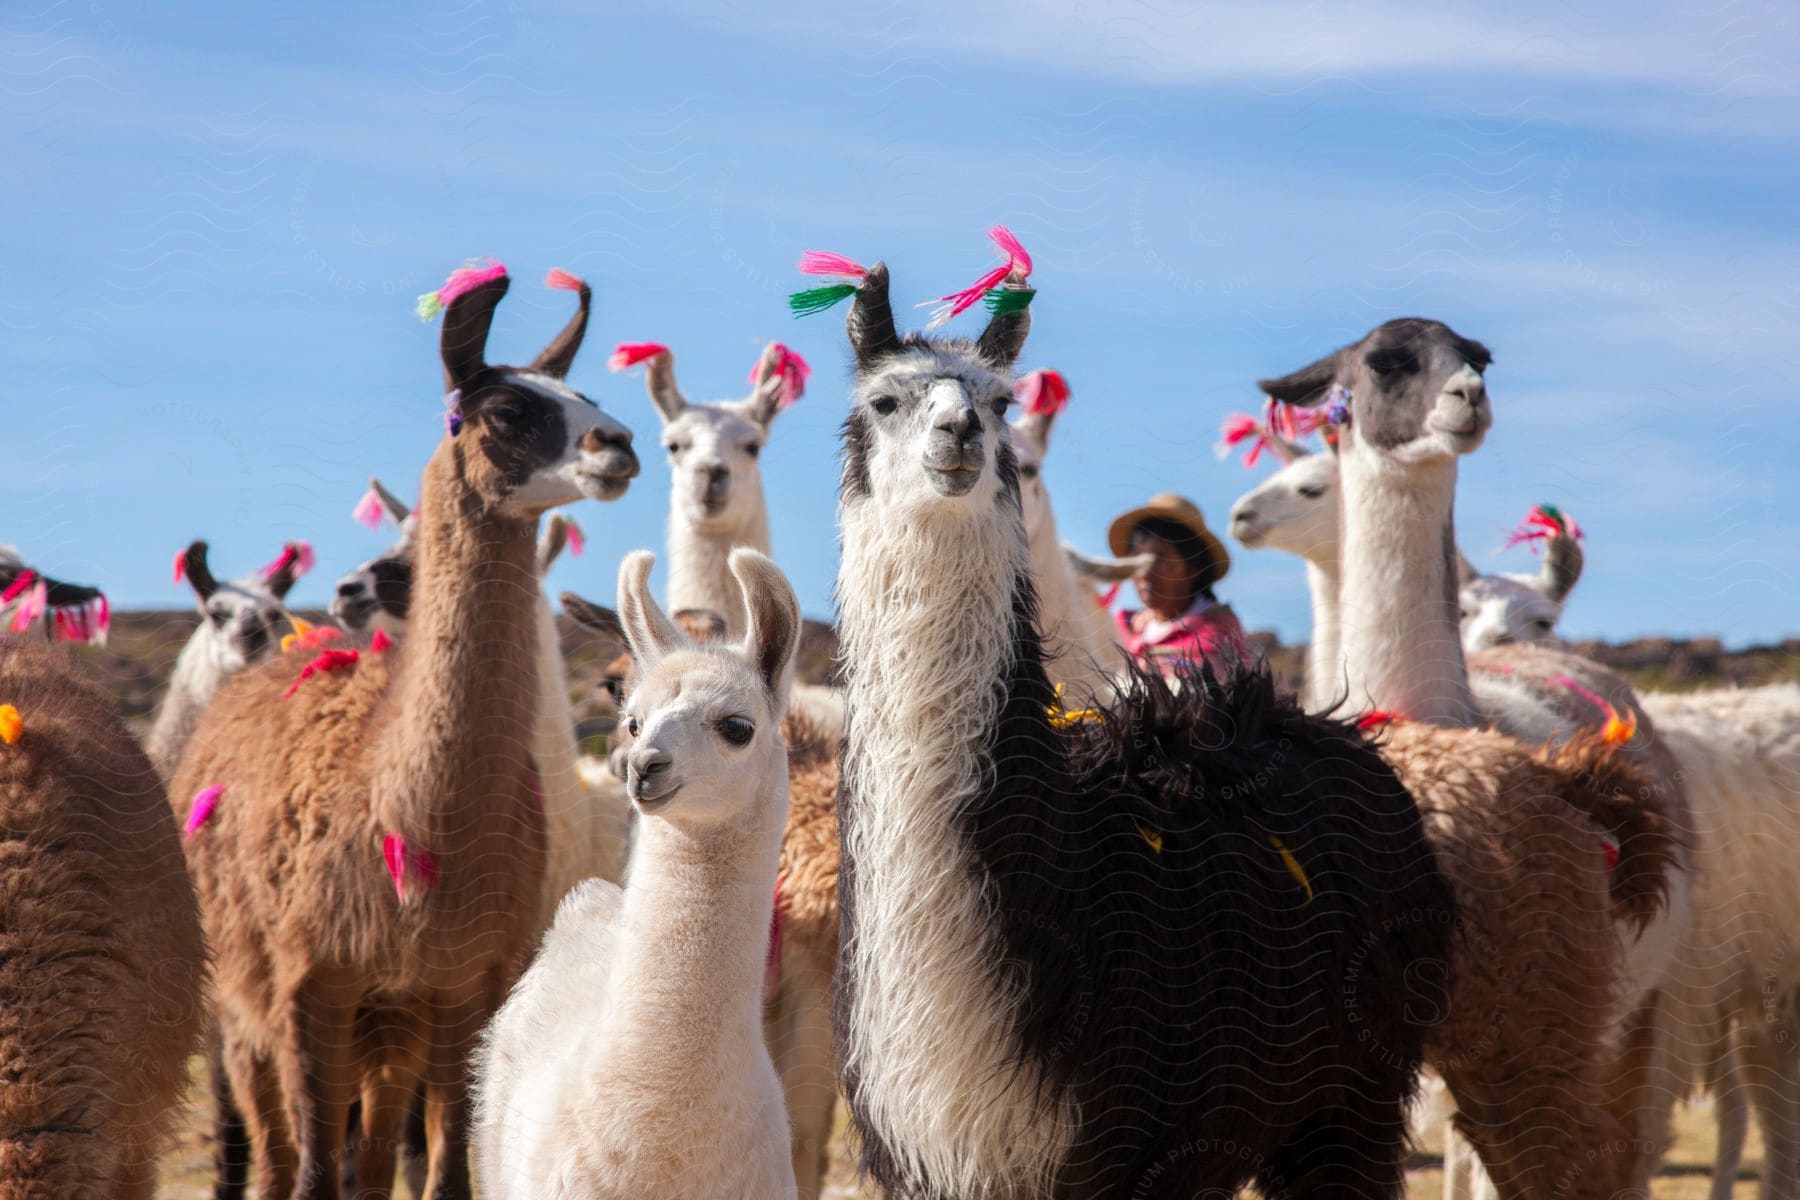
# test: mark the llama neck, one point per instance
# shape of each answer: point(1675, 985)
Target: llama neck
point(579, 844)
point(699, 564)
point(196, 679)
point(455, 723)
point(1400, 645)
point(1078, 636)
point(1324, 672)
point(694, 937)
point(930, 645)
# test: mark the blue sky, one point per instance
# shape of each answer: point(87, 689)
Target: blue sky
point(218, 217)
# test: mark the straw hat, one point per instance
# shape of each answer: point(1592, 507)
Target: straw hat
point(1183, 512)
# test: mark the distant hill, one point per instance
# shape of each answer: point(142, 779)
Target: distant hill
point(136, 663)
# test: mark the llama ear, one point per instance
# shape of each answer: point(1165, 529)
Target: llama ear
point(765, 401)
point(597, 617)
point(287, 569)
point(774, 619)
point(1306, 387)
point(871, 320)
point(551, 543)
point(1465, 570)
point(1003, 340)
point(659, 381)
point(1035, 427)
point(555, 359)
point(466, 324)
point(1107, 570)
point(397, 509)
point(199, 576)
point(649, 633)
point(1563, 560)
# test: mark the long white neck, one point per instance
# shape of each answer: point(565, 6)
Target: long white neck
point(1324, 656)
point(699, 563)
point(1398, 631)
point(197, 677)
point(925, 618)
point(1081, 646)
point(694, 938)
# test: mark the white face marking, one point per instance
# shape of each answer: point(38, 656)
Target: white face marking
point(688, 710)
point(1295, 509)
point(714, 461)
point(243, 622)
point(578, 472)
point(1503, 609)
point(935, 426)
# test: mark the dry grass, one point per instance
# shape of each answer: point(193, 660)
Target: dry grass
point(1687, 1175)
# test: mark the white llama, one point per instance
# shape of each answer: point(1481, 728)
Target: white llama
point(1501, 609)
point(629, 1061)
point(241, 622)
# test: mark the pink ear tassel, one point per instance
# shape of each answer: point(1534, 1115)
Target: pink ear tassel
point(824, 262)
point(1238, 429)
point(1293, 423)
point(102, 619)
point(20, 582)
point(559, 278)
point(577, 539)
point(958, 302)
point(181, 564)
point(31, 607)
point(299, 555)
point(369, 510)
point(1042, 393)
point(1543, 522)
point(466, 279)
point(629, 354)
point(791, 369)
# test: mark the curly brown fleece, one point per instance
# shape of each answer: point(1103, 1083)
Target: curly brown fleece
point(1525, 1043)
point(102, 968)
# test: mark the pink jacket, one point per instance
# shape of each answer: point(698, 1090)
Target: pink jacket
point(1209, 632)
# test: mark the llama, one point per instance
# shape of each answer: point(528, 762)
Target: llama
point(1080, 636)
point(797, 1008)
point(1413, 399)
point(375, 595)
point(101, 960)
point(629, 1062)
point(1040, 916)
point(333, 975)
point(62, 611)
point(241, 624)
point(1500, 609)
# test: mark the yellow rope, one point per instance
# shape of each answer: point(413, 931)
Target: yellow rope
point(1062, 718)
point(1292, 864)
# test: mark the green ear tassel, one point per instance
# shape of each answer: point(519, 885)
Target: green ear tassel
point(429, 306)
point(1004, 302)
point(814, 300)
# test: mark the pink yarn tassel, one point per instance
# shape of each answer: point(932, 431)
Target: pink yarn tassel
point(381, 642)
point(1237, 429)
point(1016, 254)
point(405, 863)
point(369, 510)
point(181, 564)
point(559, 278)
point(1292, 423)
point(629, 354)
point(577, 539)
point(466, 279)
point(791, 369)
point(102, 619)
point(205, 800)
point(20, 582)
point(1042, 393)
point(36, 600)
point(299, 555)
point(1017, 260)
point(824, 262)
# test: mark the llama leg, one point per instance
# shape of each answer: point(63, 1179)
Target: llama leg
point(1732, 1110)
point(799, 1035)
point(418, 1155)
point(318, 1077)
point(384, 1103)
point(1633, 1101)
point(1769, 1071)
point(447, 1106)
point(231, 1140)
point(258, 1089)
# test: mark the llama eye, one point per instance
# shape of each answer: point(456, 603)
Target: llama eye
point(506, 414)
point(674, 448)
point(1028, 471)
point(884, 405)
point(215, 616)
point(631, 726)
point(615, 688)
point(753, 449)
point(999, 405)
point(1539, 626)
point(1312, 493)
point(737, 730)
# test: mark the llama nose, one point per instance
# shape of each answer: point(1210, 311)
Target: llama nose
point(647, 762)
point(717, 478)
point(965, 424)
point(1468, 386)
point(595, 440)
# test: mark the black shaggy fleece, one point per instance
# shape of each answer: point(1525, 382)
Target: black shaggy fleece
point(1213, 1023)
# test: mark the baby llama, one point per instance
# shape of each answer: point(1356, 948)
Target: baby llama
point(629, 1061)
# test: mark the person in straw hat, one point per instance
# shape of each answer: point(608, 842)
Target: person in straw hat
point(1181, 620)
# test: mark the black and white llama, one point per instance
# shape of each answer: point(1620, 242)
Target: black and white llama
point(1091, 954)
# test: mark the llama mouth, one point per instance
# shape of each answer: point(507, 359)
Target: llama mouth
point(958, 480)
point(353, 613)
point(650, 804)
point(1247, 533)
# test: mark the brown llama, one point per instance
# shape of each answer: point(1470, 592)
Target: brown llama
point(334, 975)
point(102, 967)
point(797, 999)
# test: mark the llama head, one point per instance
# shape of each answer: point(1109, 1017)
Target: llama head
point(1416, 392)
point(1042, 396)
point(928, 437)
point(378, 593)
point(714, 448)
point(242, 620)
point(524, 439)
point(1499, 610)
point(1295, 509)
point(705, 718)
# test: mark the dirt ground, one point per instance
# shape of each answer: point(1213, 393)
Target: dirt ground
point(1686, 1175)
